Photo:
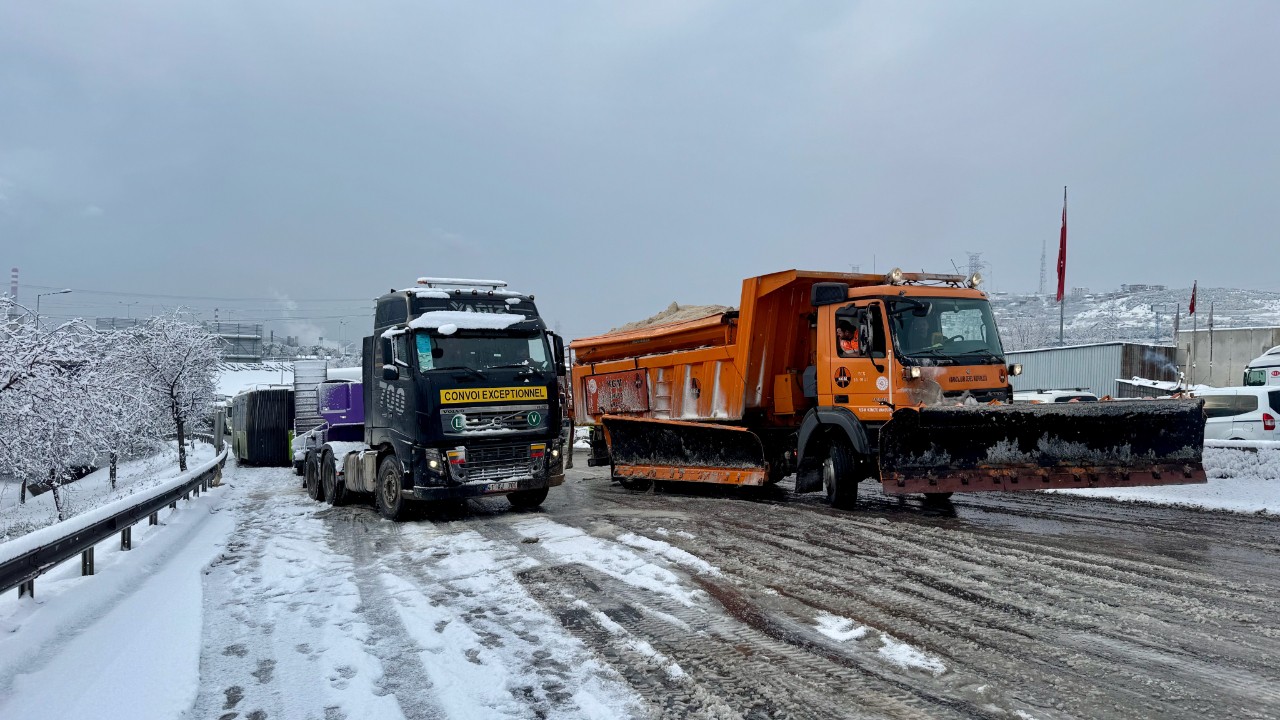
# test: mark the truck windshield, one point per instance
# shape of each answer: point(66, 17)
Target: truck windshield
point(479, 352)
point(963, 329)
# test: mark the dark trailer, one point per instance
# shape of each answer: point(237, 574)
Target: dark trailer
point(262, 426)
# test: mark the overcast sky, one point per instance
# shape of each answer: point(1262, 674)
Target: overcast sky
point(292, 157)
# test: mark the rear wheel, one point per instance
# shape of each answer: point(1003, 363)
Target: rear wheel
point(334, 489)
point(938, 497)
point(391, 504)
point(527, 499)
point(839, 475)
point(315, 490)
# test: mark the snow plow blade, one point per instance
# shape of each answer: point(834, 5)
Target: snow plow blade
point(684, 452)
point(1038, 447)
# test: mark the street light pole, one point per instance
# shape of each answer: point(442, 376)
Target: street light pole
point(40, 295)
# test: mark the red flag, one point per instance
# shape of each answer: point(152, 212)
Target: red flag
point(1192, 309)
point(1062, 248)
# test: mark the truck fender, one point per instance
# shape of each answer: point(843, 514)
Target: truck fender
point(811, 443)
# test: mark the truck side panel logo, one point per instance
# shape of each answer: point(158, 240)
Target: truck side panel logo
point(392, 398)
point(501, 394)
point(842, 378)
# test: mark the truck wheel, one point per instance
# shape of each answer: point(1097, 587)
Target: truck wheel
point(314, 490)
point(527, 499)
point(391, 504)
point(334, 490)
point(937, 498)
point(838, 476)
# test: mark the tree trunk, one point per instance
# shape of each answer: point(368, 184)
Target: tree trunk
point(57, 496)
point(113, 471)
point(22, 494)
point(182, 446)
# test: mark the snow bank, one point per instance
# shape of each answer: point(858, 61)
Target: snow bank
point(1239, 481)
point(44, 536)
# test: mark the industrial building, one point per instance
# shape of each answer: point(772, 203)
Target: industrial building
point(1094, 367)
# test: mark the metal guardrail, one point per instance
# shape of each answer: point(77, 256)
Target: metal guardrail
point(21, 571)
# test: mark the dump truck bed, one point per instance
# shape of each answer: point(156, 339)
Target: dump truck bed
point(713, 368)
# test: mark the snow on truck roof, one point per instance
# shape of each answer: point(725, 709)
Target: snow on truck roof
point(442, 320)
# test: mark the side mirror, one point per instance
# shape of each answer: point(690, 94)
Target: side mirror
point(557, 344)
point(387, 352)
point(390, 372)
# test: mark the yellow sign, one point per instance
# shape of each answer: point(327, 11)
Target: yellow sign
point(499, 394)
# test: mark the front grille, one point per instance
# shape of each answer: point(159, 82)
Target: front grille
point(510, 418)
point(981, 396)
point(501, 462)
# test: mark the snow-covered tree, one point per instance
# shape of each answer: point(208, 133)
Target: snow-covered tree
point(124, 415)
point(42, 398)
point(178, 360)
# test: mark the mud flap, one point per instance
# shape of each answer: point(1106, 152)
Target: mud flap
point(684, 452)
point(1035, 447)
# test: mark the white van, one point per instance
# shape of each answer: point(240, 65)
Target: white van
point(1264, 369)
point(1054, 396)
point(1240, 413)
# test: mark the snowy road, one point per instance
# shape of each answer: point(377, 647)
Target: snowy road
point(609, 604)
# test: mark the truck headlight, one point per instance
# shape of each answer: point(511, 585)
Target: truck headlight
point(912, 373)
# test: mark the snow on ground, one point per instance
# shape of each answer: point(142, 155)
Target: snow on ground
point(888, 648)
point(124, 643)
point(93, 490)
point(1239, 481)
point(570, 544)
point(488, 647)
point(234, 378)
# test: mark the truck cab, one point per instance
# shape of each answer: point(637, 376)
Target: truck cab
point(915, 345)
point(461, 392)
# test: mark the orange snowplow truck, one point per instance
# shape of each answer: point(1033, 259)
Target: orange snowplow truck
point(841, 377)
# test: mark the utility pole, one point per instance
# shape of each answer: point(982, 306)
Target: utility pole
point(1042, 257)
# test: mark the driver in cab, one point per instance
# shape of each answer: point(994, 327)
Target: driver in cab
point(847, 338)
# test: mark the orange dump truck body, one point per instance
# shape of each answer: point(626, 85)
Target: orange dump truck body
point(716, 368)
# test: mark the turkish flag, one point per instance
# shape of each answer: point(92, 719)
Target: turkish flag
point(1062, 248)
point(1192, 309)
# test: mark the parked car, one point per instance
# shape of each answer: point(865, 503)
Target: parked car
point(1054, 396)
point(1240, 413)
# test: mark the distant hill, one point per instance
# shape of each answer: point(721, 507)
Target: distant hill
point(1031, 321)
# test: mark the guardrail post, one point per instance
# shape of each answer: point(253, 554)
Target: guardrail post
point(173, 505)
point(27, 588)
point(126, 538)
point(197, 490)
point(153, 519)
point(86, 562)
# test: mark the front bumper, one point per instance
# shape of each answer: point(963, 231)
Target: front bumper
point(502, 487)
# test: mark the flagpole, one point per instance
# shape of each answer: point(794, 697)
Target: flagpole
point(1062, 270)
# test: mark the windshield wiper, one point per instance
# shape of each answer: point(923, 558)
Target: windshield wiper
point(471, 370)
point(931, 351)
point(985, 353)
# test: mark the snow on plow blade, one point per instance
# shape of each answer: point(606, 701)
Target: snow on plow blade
point(1036, 447)
point(683, 451)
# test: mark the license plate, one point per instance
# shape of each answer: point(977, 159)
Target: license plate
point(501, 486)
